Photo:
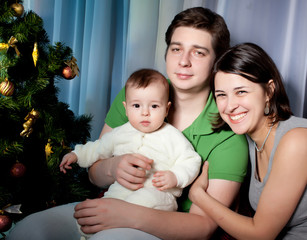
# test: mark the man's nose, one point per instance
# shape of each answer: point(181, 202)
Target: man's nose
point(184, 60)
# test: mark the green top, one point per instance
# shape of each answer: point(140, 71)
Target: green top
point(226, 152)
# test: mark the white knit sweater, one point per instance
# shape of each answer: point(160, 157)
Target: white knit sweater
point(169, 149)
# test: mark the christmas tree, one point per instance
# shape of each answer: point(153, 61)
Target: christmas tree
point(36, 128)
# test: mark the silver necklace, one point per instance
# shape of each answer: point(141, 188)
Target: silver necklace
point(266, 138)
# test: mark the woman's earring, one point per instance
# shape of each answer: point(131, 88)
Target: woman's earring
point(266, 109)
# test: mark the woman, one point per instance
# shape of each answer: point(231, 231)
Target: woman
point(251, 99)
point(195, 38)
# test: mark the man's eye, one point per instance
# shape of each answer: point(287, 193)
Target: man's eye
point(136, 105)
point(175, 49)
point(199, 53)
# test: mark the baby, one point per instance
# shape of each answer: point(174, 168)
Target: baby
point(175, 163)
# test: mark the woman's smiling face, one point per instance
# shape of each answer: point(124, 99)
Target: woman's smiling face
point(240, 102)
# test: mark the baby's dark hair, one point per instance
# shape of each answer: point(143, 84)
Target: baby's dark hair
point(144, 77)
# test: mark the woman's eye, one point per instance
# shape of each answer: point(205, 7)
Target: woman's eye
point(241, 92)
point(220, 95)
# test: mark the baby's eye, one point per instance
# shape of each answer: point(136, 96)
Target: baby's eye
point(136, 105)
point(155, 106)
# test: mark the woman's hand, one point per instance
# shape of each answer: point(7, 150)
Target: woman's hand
point(200, 185)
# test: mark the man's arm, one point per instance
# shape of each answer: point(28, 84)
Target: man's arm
point(100, 214)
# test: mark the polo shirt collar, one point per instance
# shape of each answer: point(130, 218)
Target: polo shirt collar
point(202, 124)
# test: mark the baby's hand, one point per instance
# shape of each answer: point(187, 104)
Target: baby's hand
point(164, 180)
point(68, 159)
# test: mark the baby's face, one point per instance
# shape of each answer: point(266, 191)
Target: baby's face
point(146, 108)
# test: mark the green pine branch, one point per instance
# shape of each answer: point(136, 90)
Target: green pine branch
point(52, 134)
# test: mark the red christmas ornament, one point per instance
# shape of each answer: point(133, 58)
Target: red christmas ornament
point(5, 223)
point(71, 69)
point(6, 88)
point(18, 170)
point(67, 73)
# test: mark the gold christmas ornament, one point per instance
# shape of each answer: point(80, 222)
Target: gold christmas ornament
point(11, 43)
point(48, 149)
point(30, 120)
point(35, 54)
point(7, 88)
point(4, 46)
point(18, 9)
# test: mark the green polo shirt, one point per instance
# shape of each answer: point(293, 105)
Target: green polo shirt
point(226, 152)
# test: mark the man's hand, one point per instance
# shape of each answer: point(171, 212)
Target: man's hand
point(103, 213)
point(129, 170)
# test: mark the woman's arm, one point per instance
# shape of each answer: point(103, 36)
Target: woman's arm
point(100, 214)
point(278, 200)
